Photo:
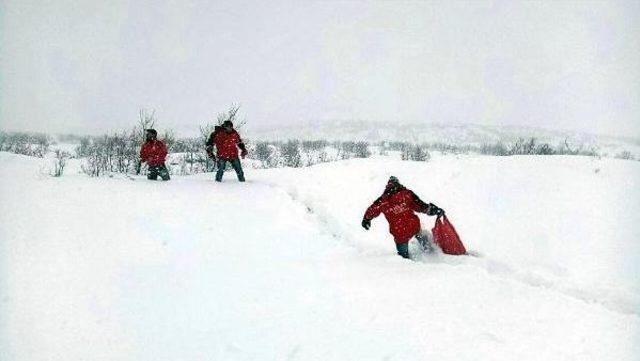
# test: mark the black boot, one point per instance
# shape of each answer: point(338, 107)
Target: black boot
point(403, 250)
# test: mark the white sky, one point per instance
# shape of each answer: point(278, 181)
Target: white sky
point(88, 66)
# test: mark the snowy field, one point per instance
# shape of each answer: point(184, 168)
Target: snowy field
point(279, 268)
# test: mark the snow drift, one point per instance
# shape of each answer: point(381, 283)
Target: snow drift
point(278, 268)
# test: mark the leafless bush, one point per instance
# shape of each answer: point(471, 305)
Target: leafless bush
point(351, 149)
point(266, 153)
point(361, 150)
point(497, 148)
point(231, 115)
point(146, 120)
point(60, 160)
point(190, 157)
point(84, 148)
point(169, 139)
point(116, 153)
point(383, 148)
point(522, 147)
point(31, 144)
point(314, 145)
point(626, 155)
point(93, 163)
point(416, 153)
point(446, 148)
point(568, 149)
point(314, 152)
point(291, 154)
point(530, 147)
point(3, 140)
point(545, 149)
point(69, 138)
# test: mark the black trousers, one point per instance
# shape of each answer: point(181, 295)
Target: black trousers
point(159, 170)
point(235, 163)
point(403, 249)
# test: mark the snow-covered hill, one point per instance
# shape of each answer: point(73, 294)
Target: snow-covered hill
point(278, 268)
point(462, 134)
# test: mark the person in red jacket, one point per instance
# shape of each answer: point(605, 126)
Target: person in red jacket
point(399, 204)
point(227, 142)
point(154, 153)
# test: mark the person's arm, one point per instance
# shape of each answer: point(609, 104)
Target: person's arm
point(243, 148)
point(429, 208)
point(372, 212)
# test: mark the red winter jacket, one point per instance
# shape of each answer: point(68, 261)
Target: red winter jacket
point(227, 144)
point(154, 152)
point(398, 206)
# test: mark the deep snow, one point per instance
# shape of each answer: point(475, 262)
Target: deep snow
point(279, 268)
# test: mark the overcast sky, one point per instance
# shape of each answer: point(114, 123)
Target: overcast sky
point(88, 66)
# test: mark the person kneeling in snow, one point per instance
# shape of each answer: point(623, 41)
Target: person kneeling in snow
point(398, 205)
point(154, 152)
point(227, 141)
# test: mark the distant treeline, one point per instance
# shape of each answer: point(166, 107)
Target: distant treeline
point(119, 152)
point(31, 144)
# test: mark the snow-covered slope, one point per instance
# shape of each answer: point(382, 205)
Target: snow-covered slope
point(279, 268)
point(452, 134)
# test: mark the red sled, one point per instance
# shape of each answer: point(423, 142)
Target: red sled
point(446, 237)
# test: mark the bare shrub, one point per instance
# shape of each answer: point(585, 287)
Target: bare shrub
point(92, 165)
point(416, 153)
point(3, 141)
point(544, 149)
point(626, 155)
point(60, 161)
point(361, 150)
point(314, 152)
point(83, 149)
point(568, 149)
point(265, 153)
point(231, 114)
point(498, 149)
point(530, 147)
point(383, 148)
point(30, 144)
point(169, 139)
point(446, 148)
point(291, 154)
point(522, 147)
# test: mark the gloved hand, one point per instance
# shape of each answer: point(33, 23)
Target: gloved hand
point(439, 212)
point(244, 153)
point(366, 224)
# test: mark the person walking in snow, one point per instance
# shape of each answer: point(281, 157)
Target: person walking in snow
point(227, 142)
point(399, 204)
point(154, 153)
